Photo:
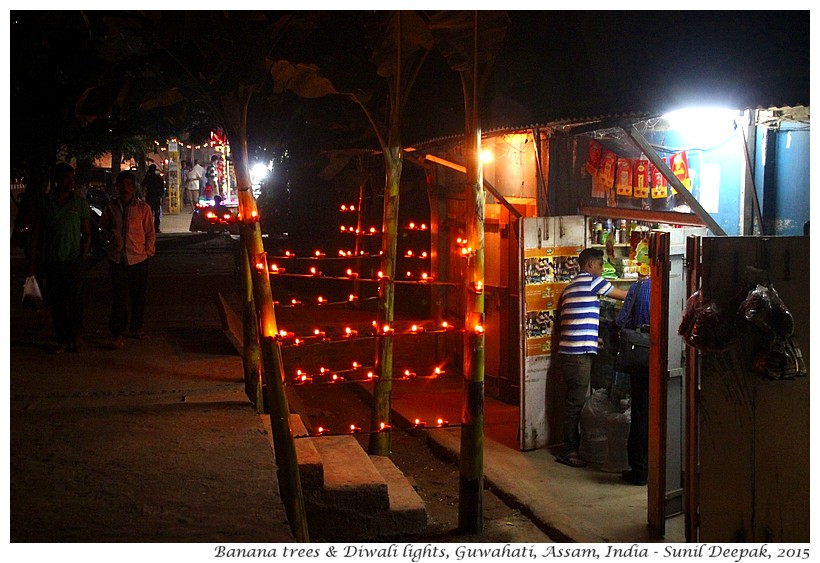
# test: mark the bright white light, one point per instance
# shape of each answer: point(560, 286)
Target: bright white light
point(258, 173)
point(486, 156)
point(702, 127)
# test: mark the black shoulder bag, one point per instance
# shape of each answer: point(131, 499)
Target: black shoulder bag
point(633, 343)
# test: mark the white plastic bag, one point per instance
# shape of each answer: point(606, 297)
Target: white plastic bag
point(32, 296)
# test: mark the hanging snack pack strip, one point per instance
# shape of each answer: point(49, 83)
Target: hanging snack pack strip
point(606, 171)
point(660, 189)
point(623, 185)
point(593, 157)
point(640, 179)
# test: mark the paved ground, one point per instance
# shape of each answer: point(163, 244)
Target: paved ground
point(152, 443)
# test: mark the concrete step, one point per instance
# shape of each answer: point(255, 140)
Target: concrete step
point(407, 515)
point(311, 470)
point(351, 480)
point(350, 495)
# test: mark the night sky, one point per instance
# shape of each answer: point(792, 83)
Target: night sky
point(565, 64)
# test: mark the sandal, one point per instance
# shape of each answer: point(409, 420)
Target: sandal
point(571, 459)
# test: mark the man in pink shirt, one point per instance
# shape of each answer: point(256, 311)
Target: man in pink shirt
point(129, 224)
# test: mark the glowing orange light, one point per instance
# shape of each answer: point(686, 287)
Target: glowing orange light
point(322, 370)
point(318, 332)
point(424, 254)
point(274, 269)
point(411, 225)
point(351, 297)
point(372, 229)
point(370, 375)
point(254, 214)
point(441, 422)
point(437, 371)
point(288, 253)
point(260, 266)
point(355, 365)
point(321, 430)
point(380, 274)
point(320, 299)
point(354, 429)
point(296, 342)
point(319, 253)
point(423, 227)
point(414, 328)
point(295, 301)
point(353, 208)
point(344, 207)
point(424, 276)
point(386, 328)
point(384, 426)
point(409, 253)
point(478, 329)
point(409, 274)
point(342, 252)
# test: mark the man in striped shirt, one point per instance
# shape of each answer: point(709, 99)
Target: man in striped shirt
point(580, 312)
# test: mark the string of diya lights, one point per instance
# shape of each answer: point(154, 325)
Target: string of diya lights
point(418, 424)
point(355, 374)
point(318, 336)
point(275, 269)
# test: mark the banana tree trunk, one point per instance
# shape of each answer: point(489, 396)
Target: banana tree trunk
point(380, 442)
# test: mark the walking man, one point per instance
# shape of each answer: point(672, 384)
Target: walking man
point(61, 238)
point(154, 187)
point(129, 224)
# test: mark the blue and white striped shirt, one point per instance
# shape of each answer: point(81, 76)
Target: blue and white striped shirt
point(580, 312)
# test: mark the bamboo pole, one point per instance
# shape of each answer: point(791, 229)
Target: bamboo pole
point(471, 460)
point(250, 341)
point(287, 466)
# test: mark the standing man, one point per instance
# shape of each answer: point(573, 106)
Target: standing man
point(637, 444)
point(192, 183)
point(61, 238)
point(129, 224)
point(212, 178)
point(578, 344)
point(154, 187)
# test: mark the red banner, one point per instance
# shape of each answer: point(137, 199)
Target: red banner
point(680, 168)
